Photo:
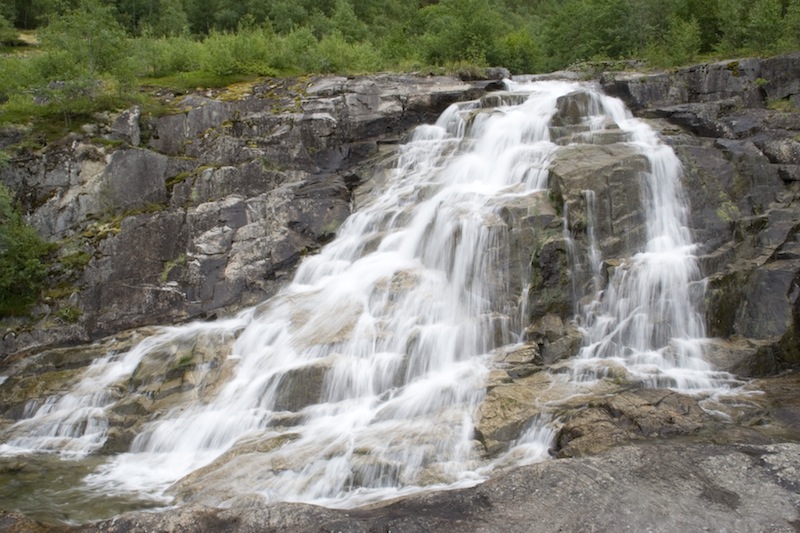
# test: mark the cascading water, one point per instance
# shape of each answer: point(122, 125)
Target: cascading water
point(361, 379)
point(647, 318)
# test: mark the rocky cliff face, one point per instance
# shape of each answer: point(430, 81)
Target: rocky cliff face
point(735, 126)
point(209, 207)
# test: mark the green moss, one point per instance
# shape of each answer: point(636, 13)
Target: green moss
point(728, 211)
point(176, 179)
point(99, 231)
point(59, 292)
point(70, 314)
point(110, 143)
point(783, 104)
point(75, 261)
point(183, 82)
point(179, 261)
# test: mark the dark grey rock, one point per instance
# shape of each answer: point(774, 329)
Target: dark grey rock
point(135, 178)
point(659, 488)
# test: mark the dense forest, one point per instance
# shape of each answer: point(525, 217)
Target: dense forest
point(62, 60)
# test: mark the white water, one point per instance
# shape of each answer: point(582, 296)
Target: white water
point(647, 318)
point(380, 346)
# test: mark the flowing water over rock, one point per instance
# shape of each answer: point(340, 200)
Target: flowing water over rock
point(362, 379)
point(647, 319)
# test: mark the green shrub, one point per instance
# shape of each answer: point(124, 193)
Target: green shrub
point(460, 30)
point(790, 39)
point(338, 55)
point(763, 26)
point(168, 55)
point(17, 74)
point(680, 45)
point(297, 52)
point(8, 34)
point(22, 260)
point(244, 52)
point(519, 52)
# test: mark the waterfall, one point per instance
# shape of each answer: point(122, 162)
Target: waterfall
point(360, 380)
point(647, 319)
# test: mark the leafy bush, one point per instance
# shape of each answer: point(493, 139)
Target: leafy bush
point(245, 52)
point(168, 55)
point(519, 52)
point(457, 30)
point(338, 55)
point(22, 260)
point(790, 39)
point(581, 30)
point(297, 52)
point(8, 35)
point(763, 25)
point(680, 45)
point(87, 42)
point(17, 74)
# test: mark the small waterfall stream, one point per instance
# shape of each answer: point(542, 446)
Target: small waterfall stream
point(361, 379)
point(647, 318)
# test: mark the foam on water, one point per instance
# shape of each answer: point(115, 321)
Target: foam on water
point(647, 319)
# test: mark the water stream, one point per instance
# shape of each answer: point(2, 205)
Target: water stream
point(360, 380)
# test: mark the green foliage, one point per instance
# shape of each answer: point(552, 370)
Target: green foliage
point(86, 41)
point(69, 314)
point(94, 52)
point(244, 52)
point(790, 37)
point(460, 30)
point(347, 24)
point(763, 25)
point(16, 74)
point(8, 34)
point(86, 56)
point(168, 55)
point(171, 20)
point(337, 54)
point(519, 52)
point(681, 44)
point(580, 30)
point(22, 260)
point(732, 16)
point(297, 52)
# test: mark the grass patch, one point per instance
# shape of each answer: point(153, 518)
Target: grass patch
point(176, 179)
point(184, 82)
point(179, 261)
point(60, 292)
point(109, 143)
point(51, 121)
point(69, 314)
point(75, 261)
point(784, 105)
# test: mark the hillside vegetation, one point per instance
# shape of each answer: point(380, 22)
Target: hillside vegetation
point(93, 53)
